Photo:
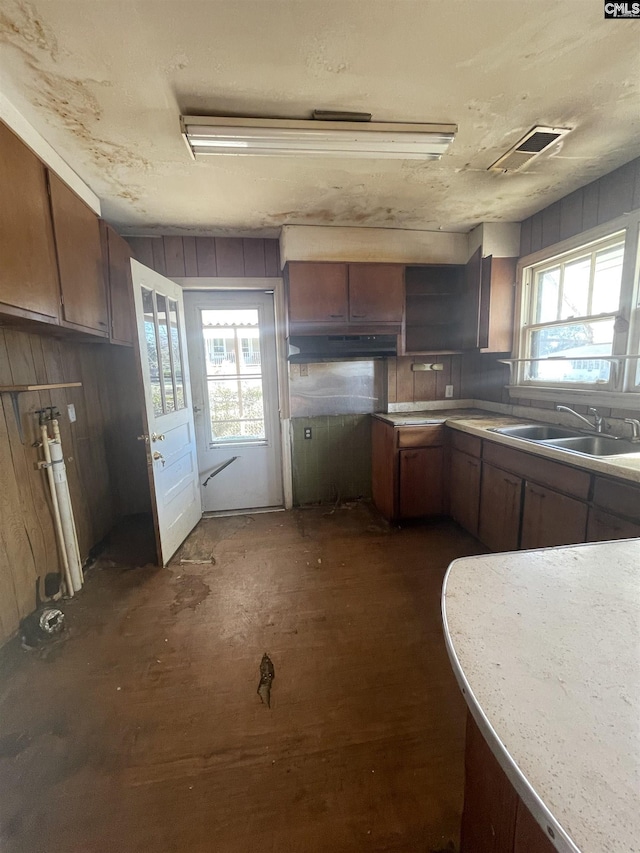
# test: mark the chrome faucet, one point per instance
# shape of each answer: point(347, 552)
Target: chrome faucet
point(598, 420)
point(635, 428)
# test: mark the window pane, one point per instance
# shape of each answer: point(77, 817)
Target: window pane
point(607, 280)
point(580, 344)
point(547, 296)
point(152, 349)
point(575, 289)
point(176, 352)
point(231, 340)
point(165, 358)
point(237, 408)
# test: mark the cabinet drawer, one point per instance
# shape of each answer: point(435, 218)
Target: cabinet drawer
point(620, 498)
point(420, 436)
point(565, 479)
point(470, 444)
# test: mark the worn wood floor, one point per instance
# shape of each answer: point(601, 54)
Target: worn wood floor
point(142, 730)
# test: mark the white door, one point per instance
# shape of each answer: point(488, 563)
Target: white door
point(232, 350)
point(169, 435)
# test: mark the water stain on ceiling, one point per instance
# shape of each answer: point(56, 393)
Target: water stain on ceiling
point(105, 83)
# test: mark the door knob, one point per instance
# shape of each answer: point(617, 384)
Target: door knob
point(157, 456)
point(157, 436)
point(144, 438)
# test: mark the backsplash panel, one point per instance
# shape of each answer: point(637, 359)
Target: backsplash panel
point(335, 463)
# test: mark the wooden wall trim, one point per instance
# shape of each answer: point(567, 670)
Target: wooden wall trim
point(594, 204)
point(204, 257)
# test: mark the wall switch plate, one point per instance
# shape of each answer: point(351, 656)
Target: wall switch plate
point(448, 390)
point(71, 409)
point(307, 432)
point(304, 370)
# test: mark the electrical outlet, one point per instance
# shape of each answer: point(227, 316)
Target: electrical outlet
point(448, 390)
point(304, 370)
point(71, 409)
point(307, 432)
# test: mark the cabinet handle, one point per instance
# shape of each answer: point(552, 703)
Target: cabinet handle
point(359, 316)
point(101, 323)
point(336, 316)
point(472, 462)
point(537, 493)
point(406, 455)
point(513, 482)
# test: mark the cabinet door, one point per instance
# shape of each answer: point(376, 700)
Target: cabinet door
point(529, 838)
point(318, 293)
point(383, 468)
point(550, 518)
point(603, 526)
point(77, 233)
point(118, 267)
point(421, 485)
point(490, 800)
point(470, 314)
point(500, 507)
point(28, 272)
point(464, 490)
point(376, 293)
point(497, 296)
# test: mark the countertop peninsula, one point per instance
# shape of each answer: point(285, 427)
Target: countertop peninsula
point(545, 646)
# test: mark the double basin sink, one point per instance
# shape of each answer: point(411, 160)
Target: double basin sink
point(573, 441)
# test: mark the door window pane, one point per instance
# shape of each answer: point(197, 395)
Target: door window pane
point(176, 353)
point(231, 339)
point(165, 355)
point(152, 349)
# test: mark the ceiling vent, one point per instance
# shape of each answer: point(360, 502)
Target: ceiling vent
point(535, 142)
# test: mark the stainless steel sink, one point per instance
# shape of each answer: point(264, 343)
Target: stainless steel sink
point(595, 445)
point(538, 432)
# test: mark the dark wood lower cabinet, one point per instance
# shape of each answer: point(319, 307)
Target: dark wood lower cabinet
point(549, 518)
point(500, 508)
point(464, 489)
point(421, 482)
point(603, 526)
point(494, 818)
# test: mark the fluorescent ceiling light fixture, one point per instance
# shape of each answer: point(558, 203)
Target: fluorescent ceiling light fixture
point(207, 135)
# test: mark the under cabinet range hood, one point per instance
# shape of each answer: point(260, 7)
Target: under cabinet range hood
point(310, 348)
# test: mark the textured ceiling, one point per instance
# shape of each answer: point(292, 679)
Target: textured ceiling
point(104, 82)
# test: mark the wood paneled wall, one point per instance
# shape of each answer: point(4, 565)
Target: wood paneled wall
point(93, 456)
point(407, 386)
point(223, 257)
point(596, 203)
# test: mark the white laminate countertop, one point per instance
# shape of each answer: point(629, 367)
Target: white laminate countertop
point(482, 423)
point(545, 646)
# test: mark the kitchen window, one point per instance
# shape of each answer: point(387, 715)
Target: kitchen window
point(579, 317)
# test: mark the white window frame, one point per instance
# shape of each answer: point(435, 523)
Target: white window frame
point(622, 390)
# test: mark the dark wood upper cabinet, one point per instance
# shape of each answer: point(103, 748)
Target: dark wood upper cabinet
point(79, 252)
point(117, 270)
point(340, 294)
point(318, 293)
point(433, 318)
point(488, 302)
point(376, 293)
point(28, 273)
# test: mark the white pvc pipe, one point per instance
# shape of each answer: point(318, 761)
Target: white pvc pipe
point(66, 513)
point(57, 437)
point(56, 509)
